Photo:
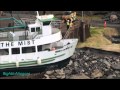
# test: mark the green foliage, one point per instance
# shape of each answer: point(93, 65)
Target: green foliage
point(96, 30)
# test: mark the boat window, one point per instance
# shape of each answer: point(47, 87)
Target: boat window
point(4, 51)
point(37, 29)
point(15, 50)
point(28, 49)
point(39, 48)
point(46, 23)
point(32, 29)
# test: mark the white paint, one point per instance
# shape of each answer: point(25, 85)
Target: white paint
point(43, 40)
point(39, 61)
point(44, 17)
point(46, 30)
point(17, 64)
point(43, 54)
point(37, 13)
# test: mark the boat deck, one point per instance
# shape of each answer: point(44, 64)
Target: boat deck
point(21, 35)
point(4, 39)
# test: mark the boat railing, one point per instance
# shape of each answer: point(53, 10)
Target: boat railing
point(3, 35)
point(33, 35)
point(28, 21)
point(55, 30)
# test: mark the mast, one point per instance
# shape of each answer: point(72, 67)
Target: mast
point(82, 16)
point(37, 13)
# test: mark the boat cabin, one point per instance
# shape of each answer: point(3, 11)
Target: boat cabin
point(43, 25)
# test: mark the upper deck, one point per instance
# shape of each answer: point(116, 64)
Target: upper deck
point(28, 29)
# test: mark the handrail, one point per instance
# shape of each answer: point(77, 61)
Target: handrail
point(19, 23)
point(11, 18)
point(12, 27)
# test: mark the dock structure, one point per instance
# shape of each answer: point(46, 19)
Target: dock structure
point(80, 30)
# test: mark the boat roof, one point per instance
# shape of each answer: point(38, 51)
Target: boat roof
point(45, 18)
point(52, 19)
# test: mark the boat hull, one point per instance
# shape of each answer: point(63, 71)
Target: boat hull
point(47, 58)
point(32, 69)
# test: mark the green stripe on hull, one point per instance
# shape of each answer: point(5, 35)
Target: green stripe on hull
point(47, 60)
point(29, 63)
point(8, 65)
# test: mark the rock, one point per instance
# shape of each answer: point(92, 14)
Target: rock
point(117, 76)
point(88, 51)
point(106, 70)
point(57, 71)
point(67, 71)
point(80, 76)
point(83, 70)
point(46, 76)
point(49, 72)
point(60, 76)
point(117, 60)
point(87, 58)
point(86, 73)
point(67, 76)
point(107, 63)
point(70, 63)
point(73, 57)
point(94, 61)
point(60, 72)
point(86, 64)
point(111, 76)
point(97, 73)
point(117, 72)
point(76, 64)
point(116, 66)
point(77, 70)
point(52, 77)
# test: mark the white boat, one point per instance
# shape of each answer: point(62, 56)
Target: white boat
point(41, 44)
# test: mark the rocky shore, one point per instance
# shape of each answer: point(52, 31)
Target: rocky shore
point(88, 64)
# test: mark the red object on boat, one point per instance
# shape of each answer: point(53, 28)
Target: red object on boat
point(53, 49)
